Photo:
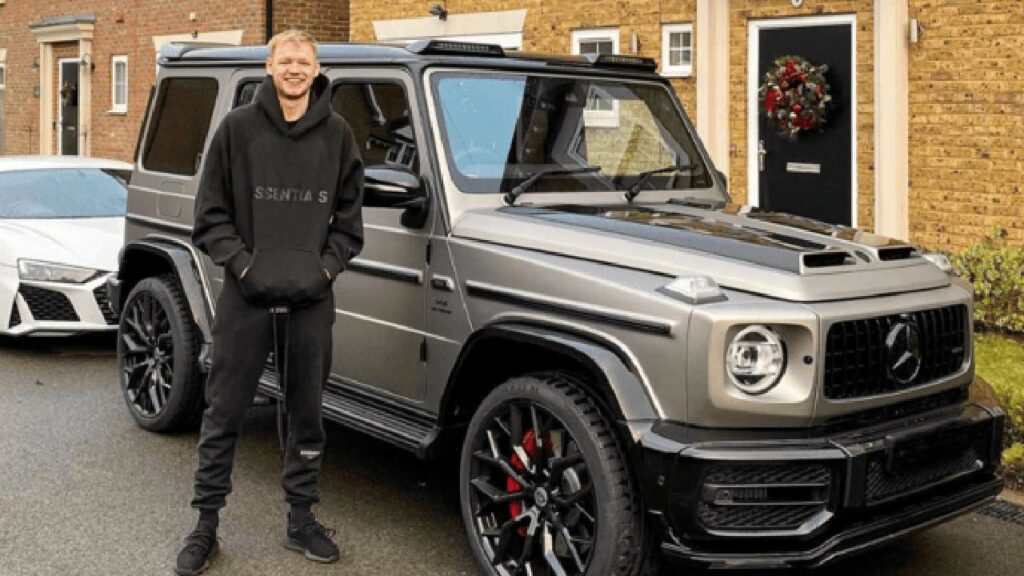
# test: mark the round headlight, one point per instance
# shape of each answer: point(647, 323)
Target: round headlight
point(755, 359)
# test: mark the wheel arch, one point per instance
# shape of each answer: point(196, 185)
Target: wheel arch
point(146, 257)
point(499, 351)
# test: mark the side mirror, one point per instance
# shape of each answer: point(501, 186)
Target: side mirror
point(392, 187)
point(396, 187)
point(725, 181)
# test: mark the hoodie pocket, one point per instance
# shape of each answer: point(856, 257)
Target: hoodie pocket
point(291, 276)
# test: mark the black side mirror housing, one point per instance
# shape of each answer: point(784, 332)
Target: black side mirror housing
point(396, 187)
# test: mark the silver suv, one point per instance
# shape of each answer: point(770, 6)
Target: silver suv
point(556, 284)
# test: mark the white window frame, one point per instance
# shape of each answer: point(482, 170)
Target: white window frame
point(598, 118)
point(667, 69)
point(115, 107)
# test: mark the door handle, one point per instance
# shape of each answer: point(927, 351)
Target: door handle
point(761, 153)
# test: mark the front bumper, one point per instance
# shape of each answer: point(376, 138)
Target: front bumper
point(804, 502)
point(54, 308)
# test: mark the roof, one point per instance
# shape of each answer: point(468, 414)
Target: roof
point(11, 163)
point(430, 51)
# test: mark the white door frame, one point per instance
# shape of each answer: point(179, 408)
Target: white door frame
point(60, 106)
point(754, 81)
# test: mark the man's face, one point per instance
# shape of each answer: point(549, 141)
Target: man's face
point(293, 67)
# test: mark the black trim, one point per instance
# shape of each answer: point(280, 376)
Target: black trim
point(512, 297)
point(365, 267)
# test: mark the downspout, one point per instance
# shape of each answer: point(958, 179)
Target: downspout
point(269, 31)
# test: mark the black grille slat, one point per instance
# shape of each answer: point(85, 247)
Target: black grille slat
point(15, 315)
point(855, 357)
point(48, 305)
point(100, 293)
point(765, 515)
point(756, 517)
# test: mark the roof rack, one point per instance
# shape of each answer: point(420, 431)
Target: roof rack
point(620, 61)
point(455, 48)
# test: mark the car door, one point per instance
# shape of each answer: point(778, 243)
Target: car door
point(379, 331)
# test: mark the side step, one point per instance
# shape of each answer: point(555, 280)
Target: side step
point(408, 428)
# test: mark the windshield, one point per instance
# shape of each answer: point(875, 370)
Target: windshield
point(61, 193)
point(501, 128)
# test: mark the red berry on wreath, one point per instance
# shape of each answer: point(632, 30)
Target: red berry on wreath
point(797, 108)
point(784, 85)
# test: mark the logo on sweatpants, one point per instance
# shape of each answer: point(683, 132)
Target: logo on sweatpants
point(309, 454)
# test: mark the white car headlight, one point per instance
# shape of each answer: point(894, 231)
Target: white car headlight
point(755, 359)
point(49, 272)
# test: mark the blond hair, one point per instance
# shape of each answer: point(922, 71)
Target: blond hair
point(291, 35)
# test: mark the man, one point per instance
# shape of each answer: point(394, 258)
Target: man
point(279, 206)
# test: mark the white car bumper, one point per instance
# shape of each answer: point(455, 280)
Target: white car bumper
point(53, 308)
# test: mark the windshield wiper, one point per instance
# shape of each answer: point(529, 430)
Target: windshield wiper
point(643, 177)
point(510, 197)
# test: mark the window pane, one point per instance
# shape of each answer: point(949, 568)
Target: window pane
point(181, 119)
point(120, 83)
point(675, 57)
point(685, 38)
point(378, 114)
point(686, 56)
point(675, 40)
point(2, 76)
point(62, 193)
point(596, 46)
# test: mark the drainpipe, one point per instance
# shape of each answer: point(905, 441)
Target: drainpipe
point(269, 31)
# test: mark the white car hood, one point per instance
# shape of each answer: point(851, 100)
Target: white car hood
point(86, 242)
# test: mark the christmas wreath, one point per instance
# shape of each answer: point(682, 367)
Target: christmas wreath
point(795, 95)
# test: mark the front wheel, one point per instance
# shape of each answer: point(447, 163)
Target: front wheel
point(157, 355)
point(545, 488)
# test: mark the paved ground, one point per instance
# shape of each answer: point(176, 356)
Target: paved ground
point(83, 491)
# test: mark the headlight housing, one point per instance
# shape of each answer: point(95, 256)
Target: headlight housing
point(49, 272)
point(755, 359)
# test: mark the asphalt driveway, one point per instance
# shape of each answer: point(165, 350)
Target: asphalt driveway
point(84, 491)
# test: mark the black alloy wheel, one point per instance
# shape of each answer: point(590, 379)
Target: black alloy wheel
point(545, 489)
point(157, 356)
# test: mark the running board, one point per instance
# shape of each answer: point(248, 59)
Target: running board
point(383, 418)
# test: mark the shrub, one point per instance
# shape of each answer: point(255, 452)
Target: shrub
point(1013, 466)
point(997, 274)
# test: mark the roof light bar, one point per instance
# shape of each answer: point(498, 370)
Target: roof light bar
point(455, 48)
point(620, 61)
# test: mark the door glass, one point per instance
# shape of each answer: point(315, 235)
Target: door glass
point(181, 119)
point(378, 114)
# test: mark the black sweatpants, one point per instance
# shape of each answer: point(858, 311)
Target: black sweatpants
point(242, 339)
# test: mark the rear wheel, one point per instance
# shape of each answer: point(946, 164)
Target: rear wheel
point(157, 353)
point(545, 487)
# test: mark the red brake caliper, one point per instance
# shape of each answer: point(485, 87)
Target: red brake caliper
point(515, 507)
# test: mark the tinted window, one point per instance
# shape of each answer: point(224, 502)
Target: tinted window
point(378, 113)
point(181, 119)
point(61, 193)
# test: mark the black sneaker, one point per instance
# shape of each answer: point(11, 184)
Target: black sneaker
point(200, 547)
point(314, 541)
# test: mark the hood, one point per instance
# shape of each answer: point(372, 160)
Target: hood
point(741, 247)
point(85, 242)
point(319, 106)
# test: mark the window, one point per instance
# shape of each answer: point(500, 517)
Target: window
point(601, 110)
point(179, 125)
point(119, 84)
point(677, 49)
point(378, 114)
point(3, 76)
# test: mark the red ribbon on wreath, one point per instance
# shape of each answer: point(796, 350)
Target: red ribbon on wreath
point(795, 95)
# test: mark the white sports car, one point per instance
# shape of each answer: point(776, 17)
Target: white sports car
point(61, 227)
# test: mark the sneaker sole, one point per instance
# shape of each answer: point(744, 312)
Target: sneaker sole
point(206, 565)
point(296, 546)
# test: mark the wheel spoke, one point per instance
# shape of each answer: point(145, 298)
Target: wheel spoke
point(574, 498)
point(515, 420)
point(154, 397)
point(493, 494)
point(133, 345)
point(504, 465)
point(549, 553)
point(558, 465)
point(572, 548)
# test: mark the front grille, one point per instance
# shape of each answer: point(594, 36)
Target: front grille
point(856, 359)
point(48, 305)
point(760, 497)
point(15, 315)
point(104, 303)
point(922, 462)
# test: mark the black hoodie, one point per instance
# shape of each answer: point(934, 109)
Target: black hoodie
point(279, 205)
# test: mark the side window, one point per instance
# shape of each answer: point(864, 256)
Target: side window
point(378, 113)
point(180, 122)
point(246, 91)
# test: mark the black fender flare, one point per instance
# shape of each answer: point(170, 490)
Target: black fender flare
point(621, 385)
point(182, 260)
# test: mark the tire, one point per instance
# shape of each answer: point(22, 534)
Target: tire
point(158, 357)
point(586, 470)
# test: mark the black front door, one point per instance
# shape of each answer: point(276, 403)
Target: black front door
point(809, 174)
point(68, 95)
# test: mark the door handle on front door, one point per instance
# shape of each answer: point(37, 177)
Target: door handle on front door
point(761, 153)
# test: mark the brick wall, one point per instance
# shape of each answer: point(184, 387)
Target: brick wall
point(967, 122)
point(326, 20)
